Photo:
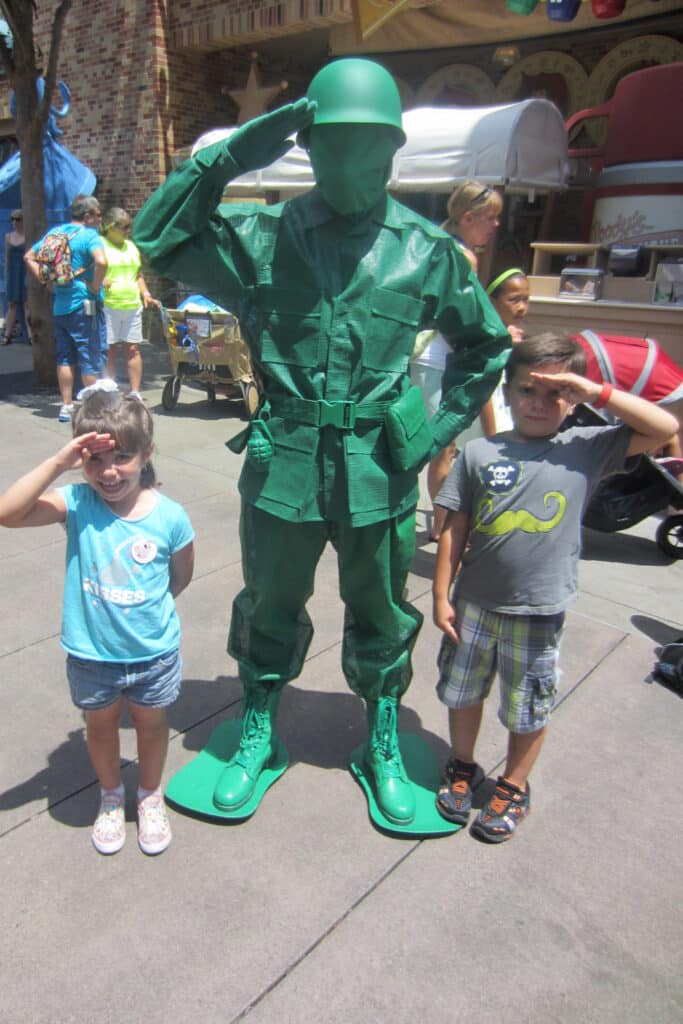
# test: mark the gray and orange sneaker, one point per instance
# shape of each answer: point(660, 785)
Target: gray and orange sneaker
point(454, 798)
point(507, 806)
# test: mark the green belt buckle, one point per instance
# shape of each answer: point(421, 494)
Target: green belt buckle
point(337, 414)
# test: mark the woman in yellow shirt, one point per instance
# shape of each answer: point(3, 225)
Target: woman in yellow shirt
point(125, 296)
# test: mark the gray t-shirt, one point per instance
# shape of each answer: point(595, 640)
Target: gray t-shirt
point(525, 502)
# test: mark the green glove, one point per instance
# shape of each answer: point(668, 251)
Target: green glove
point(265, 139)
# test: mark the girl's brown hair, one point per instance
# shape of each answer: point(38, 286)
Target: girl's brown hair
point(126, 419)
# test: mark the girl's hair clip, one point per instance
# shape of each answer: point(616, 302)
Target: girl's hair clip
point(105, 384)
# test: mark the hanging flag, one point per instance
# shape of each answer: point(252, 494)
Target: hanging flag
point(369, 15)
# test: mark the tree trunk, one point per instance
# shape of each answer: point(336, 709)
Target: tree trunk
point(21, 66)
point(39, 297)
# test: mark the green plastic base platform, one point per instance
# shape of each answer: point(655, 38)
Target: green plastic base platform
point(423, 772)
point(191, 789)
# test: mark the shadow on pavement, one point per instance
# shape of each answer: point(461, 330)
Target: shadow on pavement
point(621, 547)
point(658, 631)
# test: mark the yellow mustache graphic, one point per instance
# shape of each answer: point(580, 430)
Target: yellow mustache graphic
point(519, 519)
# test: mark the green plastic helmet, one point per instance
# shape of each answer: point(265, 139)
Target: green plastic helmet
point(356, 91)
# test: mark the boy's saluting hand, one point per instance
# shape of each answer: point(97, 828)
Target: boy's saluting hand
point(571, 387)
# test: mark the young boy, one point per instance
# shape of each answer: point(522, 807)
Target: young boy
point(515, 505)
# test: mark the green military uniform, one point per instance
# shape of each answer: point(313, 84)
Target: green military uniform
point(329, 306)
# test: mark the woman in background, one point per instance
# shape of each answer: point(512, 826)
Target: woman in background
point(473, 217)
point(15, 276)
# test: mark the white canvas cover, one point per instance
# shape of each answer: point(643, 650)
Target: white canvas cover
point(520, 146)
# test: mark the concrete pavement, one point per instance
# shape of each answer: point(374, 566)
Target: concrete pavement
point(305, 913)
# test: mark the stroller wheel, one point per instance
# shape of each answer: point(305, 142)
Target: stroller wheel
point(169, 396)
point(669, 536)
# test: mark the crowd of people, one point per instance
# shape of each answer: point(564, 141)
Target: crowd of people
point(332, 287)
point(98, 310)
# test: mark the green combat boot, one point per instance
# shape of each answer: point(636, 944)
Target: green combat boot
point(393, 790)
point(237, 781)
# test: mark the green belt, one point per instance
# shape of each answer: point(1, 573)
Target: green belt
point(320, 413)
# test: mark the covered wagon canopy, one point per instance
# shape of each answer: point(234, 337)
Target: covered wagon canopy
point(519, 146)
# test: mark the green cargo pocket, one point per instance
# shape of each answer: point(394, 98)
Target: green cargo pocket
point(373, 483)
point(408, 432)
point(394, 323)
point(290, 329)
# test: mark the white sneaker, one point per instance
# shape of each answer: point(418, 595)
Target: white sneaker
point(135, 394)
point(109, 830)
point(65, 413)
point(154, 828)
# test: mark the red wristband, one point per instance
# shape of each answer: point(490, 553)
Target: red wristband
point(604, 396)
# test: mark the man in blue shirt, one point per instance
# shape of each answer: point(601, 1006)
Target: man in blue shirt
point(78, 306)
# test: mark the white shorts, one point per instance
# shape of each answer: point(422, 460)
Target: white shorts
point(123, 325)
point(428, 380)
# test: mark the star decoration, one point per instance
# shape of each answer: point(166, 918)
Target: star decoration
point(254, 98)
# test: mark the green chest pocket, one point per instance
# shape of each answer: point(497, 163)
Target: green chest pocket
point(290, 327)
point(394, 321)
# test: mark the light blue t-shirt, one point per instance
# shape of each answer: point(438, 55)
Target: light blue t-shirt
point(117, 602)
point(83, 241)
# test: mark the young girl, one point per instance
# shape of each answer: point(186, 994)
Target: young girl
point(129, 553)
point(509, 295)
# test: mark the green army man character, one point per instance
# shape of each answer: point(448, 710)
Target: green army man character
point(330, 288)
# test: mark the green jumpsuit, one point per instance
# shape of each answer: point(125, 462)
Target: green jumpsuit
point(329, 307)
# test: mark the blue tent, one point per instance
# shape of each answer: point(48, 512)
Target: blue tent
point(65, 176)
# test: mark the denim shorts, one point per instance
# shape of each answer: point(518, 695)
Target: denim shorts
point(98, 684)
point(80, 340)
point(522, 649)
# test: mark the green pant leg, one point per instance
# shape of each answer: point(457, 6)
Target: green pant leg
point(270, 630)
point(380, 627)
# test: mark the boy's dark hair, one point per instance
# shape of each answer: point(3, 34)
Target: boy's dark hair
point(125, 418)
point(546, 348)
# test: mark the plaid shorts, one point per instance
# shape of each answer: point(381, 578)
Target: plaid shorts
point(523, 649)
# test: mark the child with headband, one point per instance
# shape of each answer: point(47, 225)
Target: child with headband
point(509, 295)
point(129, 554)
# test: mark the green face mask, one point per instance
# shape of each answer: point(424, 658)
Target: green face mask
point(352, 164)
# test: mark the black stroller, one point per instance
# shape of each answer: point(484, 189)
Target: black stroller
point(644, 487)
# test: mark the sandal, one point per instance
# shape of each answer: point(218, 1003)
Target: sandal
point(454, 798)
point(507, 806)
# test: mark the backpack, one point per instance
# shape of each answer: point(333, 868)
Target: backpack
point(54, 258)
